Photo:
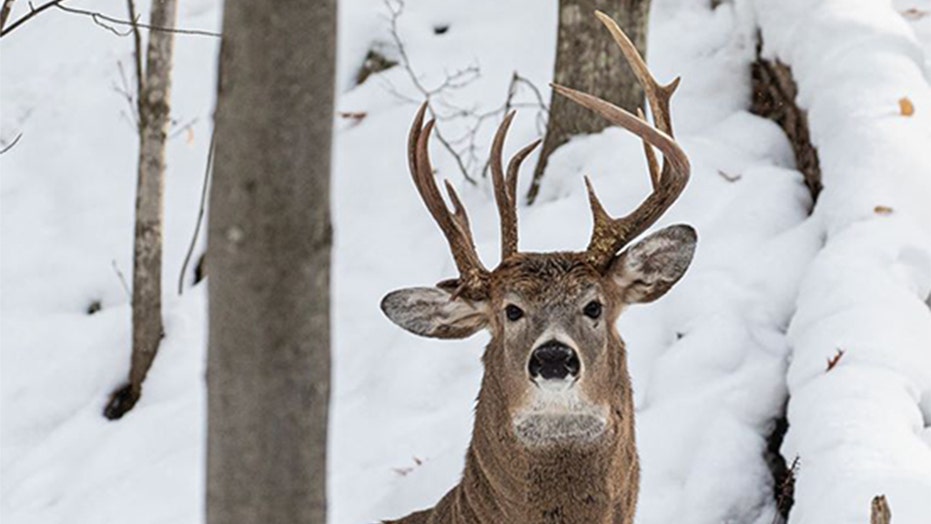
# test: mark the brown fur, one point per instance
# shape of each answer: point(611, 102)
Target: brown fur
point(505, 481)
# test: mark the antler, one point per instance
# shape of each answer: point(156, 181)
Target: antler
point(506, 188)
point(609, 234)
point(473, 277)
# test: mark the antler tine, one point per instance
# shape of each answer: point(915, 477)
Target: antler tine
point(514, 165)
point(657, 94)
point(652, 165)
point(504, 198)
point(506, 187)
point(609, 235)
point(473, 276)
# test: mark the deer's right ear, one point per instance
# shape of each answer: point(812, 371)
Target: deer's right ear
point(433, 312)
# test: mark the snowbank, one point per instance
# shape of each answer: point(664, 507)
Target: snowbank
point(862, 428)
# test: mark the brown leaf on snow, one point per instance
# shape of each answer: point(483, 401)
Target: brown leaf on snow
point(882, 210)
point(835, 359)
point(906, 108)
point(913, 13)
point(355, 116)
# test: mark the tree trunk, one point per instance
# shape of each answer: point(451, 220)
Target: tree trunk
point(269, 265)
point(879, 511)
point(587, 59)
point(154, 97)
point(5, 12)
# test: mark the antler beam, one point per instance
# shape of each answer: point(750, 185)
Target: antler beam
point(609, 234)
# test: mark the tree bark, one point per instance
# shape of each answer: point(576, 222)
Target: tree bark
point(269, 265)
point(879, 511)
point(5, 12)
point(588, 59)
point(774, 95)
point(154, 109)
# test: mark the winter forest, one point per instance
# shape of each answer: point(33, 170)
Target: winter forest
point(465, 261)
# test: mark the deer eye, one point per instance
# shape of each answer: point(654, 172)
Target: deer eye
point(592, 309)
point(513, 312)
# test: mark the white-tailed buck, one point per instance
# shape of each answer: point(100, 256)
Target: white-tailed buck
point(553, 440)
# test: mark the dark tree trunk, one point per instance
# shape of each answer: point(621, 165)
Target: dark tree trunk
point(587, 59)
point(5, 12)
point(154, 94)
point(879, 511)
point(269, 243)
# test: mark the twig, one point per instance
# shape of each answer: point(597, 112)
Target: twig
point(728, 177)
point(137, 55)
point(33, 11)
point(200, 213)
point(179, 127)
point(11, 144)
point(786, 497)
point(125, 91)
point(98, 18)
point(832, 362)
point(134, 23)
point(119, 274)
point(462, 148)
point(428, 93)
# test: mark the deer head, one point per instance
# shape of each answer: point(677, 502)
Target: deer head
point(555, 358)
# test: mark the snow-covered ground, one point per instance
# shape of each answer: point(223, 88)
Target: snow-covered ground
point(772, 294)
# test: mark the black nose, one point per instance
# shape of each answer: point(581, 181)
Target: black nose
point(553, 360)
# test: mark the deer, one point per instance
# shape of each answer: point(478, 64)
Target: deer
point(553, 438)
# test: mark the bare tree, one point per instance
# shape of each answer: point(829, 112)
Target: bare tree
point(269, 239)
point(154, 88)
point(587, 59)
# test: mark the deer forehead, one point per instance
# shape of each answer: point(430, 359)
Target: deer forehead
point(545, 278)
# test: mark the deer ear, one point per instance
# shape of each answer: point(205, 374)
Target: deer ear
point(433, 312)
point(649, 268)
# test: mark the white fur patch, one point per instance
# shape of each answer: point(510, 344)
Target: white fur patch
point(558, 414)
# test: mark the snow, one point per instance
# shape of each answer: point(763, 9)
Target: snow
point(772, 293)
point(859, 430)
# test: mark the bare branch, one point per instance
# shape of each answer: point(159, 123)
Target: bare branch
point(126, 92)
point(119, 275)
point(200, 213)
point(33, 11)
point(100, 19)
point(463, 148)
point(11, 144)
point(395, 8)
point(134, 23)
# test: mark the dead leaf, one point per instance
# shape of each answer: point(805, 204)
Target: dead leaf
point(913, 13)
point(882, 210)
point(355, 116)
point(906, 108)
point(835, 359)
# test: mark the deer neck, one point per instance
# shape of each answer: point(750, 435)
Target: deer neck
point(505, 481)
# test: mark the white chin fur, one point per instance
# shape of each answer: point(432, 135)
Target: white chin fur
point(557, 415)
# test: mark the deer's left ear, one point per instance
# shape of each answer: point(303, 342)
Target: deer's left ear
point(649, 268)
